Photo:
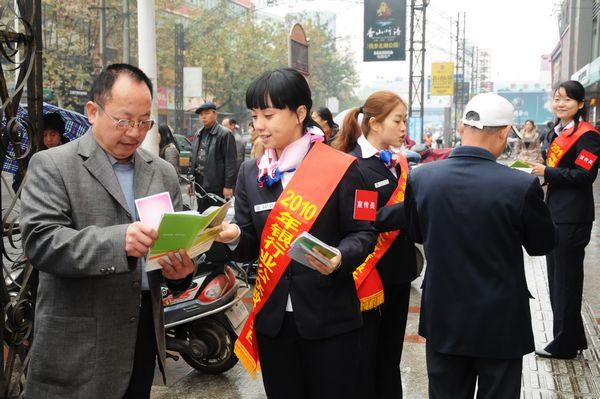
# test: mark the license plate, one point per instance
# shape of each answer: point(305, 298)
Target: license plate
point(237, 314)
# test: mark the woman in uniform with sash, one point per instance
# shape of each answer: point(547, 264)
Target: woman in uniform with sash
point(570, 171)
point(383, 280)
point(303, 331)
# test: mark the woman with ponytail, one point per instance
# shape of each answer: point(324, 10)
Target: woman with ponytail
point(570, 171)
point(383, 280)
point(304, 329)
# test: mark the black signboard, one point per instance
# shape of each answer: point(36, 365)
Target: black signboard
point(385, 30)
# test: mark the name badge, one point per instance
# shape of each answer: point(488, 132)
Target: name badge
point(382, 183)
point(264, 207)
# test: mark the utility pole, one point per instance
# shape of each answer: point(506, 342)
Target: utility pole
point(179, 46)
point(416, 86)
point(147, 62)
point(459, 87)
point(126, 29)
point(103, 32)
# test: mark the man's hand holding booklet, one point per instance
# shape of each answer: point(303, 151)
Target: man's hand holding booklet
point(306, 246)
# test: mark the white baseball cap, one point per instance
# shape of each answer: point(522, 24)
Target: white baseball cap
point(488, 109)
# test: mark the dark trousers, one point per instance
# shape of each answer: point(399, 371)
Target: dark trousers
point(369, 337)
point(145, 353)
point(394, 312)
point(206, 202)
point(297, 368)
point(565, 282)
point(455, 377)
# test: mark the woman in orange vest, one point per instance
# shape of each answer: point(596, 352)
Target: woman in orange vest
point(303, 332)
point(570, 171)
point(383, 281)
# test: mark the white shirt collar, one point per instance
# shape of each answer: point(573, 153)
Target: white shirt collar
point(367, 149)
point(558, 128)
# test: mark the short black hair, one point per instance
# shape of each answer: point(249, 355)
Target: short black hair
point(285, 88)
point(53, 121)
point(105, 81)
point(325, 114)
point(575, 91)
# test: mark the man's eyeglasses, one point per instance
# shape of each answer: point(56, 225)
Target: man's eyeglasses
point(126, 124)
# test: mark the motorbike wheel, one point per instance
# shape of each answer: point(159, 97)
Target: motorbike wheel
point(220, 340)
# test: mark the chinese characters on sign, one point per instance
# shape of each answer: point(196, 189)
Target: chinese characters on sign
point(442, 79)
point(385, 34)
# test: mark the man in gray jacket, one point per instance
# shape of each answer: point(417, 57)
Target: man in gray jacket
point(99, 321)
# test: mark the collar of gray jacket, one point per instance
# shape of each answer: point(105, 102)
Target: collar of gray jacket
point(87, 145)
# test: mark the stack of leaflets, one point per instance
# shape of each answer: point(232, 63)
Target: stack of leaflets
point(307, 243)
point(188, 230)
point(520, 165)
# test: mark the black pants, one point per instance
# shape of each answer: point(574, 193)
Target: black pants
point(455, 377)
point(297, 368)
point(369, 337)
point(565, 282)
point(145, 353)
point(394, 312)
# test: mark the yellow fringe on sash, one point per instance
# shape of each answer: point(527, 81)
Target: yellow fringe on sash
point(246, 359)
point(371, 302)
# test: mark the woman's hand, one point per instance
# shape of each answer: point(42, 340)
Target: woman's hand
point(229, 233)
point(179, 265)
point(537, 169)
point(325, 270)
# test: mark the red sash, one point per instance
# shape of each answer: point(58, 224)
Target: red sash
point(565, 141)
point(295, 212)
point(366, 278)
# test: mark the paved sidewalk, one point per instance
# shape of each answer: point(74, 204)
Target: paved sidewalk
point(554, 378)
point(542, 378)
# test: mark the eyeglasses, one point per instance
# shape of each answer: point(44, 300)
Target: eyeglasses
point(126, 124)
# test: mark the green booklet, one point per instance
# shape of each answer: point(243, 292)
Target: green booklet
point(189, 230)
point(306, 243)
point(521, 165)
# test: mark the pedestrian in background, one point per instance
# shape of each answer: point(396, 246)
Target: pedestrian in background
point(530, 143)
point(240, 144)
point(392, 265)
point(99, 323)
point(324, 118)
point(213, 160)
point(305, 324)
point(258, 148)
point(167, 148)
point(473, 216)
point(570, 171)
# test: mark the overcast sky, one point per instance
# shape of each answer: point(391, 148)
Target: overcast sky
point(516, 32)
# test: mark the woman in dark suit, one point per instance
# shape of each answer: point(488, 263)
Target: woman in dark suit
point(307, 331)
point(376, 144)
point(570, 170)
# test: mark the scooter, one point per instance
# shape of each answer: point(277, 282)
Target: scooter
point(203, 323)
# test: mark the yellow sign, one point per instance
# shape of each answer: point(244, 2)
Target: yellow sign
point(442, 79)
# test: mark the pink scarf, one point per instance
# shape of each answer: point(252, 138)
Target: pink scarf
point(270, 168)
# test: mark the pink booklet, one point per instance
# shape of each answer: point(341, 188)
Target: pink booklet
point(151, 209)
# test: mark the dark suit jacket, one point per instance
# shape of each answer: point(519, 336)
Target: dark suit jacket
point(324, 306)
point(398, 265)
point(473, 215)
point(220, 167)
point(570, 193)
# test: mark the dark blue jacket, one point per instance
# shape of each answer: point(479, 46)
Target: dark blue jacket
point(473, 216)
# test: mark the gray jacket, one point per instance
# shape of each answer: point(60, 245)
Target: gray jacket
point(74, 220)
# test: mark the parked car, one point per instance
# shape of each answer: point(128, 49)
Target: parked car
point(185, 152)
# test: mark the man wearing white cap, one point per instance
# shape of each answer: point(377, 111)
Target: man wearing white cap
point(473, 215)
